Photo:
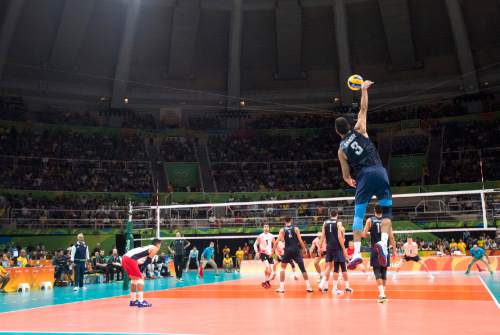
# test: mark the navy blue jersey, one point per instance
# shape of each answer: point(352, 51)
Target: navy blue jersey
point(291, 238)
point(375, 234)
point(331, 235)
point(360, 152)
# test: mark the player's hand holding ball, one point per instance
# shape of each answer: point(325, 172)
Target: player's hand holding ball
point(366, 84)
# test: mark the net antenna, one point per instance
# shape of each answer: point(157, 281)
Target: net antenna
point(158, 218)
point(483, 201)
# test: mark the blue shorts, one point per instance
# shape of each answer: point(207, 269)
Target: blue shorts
point(371, 181)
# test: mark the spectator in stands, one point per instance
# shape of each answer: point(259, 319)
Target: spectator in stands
point(4, 278)
point(227, 263)
point(60, 263)
point(461, 246)
point(79, 257)
point(239, 258)
point(97, 248)
point(99, 264)
point(453, 246)
point(22, 259)
point(5, 261)
point(162, 265)
point(114, 266)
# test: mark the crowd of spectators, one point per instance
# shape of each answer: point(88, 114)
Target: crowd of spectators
point(454, 246)
point(410, 145)
point(66, 160)
point(289, 120)
point(465, 145)
point(71, 144)
point(277, 176)
point(262, 147)
point(177, 149)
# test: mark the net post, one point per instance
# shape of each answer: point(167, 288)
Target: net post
point(129, 243)
point(483, 207)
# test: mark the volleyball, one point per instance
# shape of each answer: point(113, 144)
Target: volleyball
point(354, 82)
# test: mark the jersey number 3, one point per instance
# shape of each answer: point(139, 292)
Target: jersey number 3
point(357, 149)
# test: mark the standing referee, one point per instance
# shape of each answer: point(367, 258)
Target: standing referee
point(178, 248)
point(79, 257)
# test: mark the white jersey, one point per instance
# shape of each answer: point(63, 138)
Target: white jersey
point(140, 254)
point(410, 249)
point(265, 243)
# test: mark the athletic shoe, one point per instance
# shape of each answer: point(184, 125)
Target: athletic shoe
point(309, 290)
point(280, 290)
point(349, 290)
point(134, 303)
point(466, 273)
point(381, 255)
point(431, 277)
point(181, 280)
point(381, 300)
point(324, 290)
point(144, 304)
point(263, 284)
point(394, 277)
point(76, 289)
point(354, 263)
point(338, 292)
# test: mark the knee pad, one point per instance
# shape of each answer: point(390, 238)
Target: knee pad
point(140, 282)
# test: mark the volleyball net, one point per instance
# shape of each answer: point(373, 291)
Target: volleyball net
point(426, 216)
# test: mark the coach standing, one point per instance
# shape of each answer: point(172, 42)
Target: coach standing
point(178, 248)
point(79, 257)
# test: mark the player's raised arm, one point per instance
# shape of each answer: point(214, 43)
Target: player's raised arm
point(363, 109)
point(346, 170)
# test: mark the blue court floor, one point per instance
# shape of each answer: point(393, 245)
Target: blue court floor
point(64, 295)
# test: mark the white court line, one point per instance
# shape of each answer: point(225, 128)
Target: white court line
point(489, 291)
point(112, 297)
point(89, 332)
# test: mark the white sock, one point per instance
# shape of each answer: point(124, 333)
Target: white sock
point(282, 285)
point(325, 285)
point(141, 296)
point(308, 284)
point(357, 250)
point(334, 284)
point(381, 291)
point(384, 237)
point(133, 296)
point(346, 284)
point(322, 282)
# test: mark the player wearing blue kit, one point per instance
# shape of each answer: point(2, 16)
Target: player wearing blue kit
point(373, 228)
point(207, 257)
point(478, 254)
point(363, 170)
point(294, 247)
point(336, 254)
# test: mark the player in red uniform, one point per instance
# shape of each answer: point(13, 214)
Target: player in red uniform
point(130, 263)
